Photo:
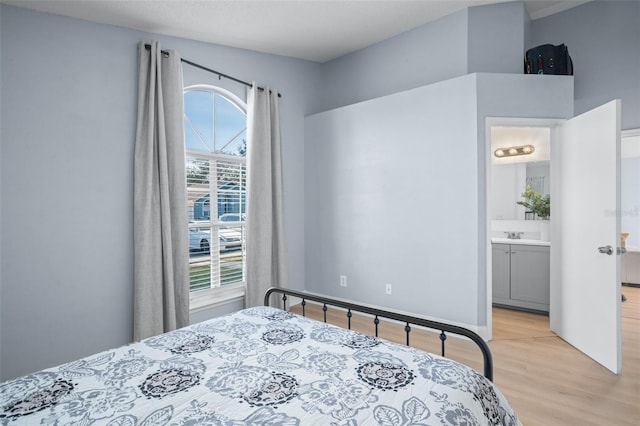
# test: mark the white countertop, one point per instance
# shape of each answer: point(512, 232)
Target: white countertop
point(520, 241)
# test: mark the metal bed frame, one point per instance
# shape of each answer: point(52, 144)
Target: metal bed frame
point(381, 313)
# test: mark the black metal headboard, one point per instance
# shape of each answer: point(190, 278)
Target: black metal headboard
point(381, 313)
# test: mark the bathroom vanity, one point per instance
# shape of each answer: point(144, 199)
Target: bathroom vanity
point(521, 273)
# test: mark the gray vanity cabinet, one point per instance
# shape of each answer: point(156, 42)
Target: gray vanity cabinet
point(501, 262)
point(521, 276)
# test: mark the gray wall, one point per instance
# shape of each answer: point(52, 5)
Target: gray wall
point(412, 59)
point(395, 192)
point(224, 309)
point(496, 38)
point(367, 74)
point(67, 126)
point(68, 106)
point(68, 112)
point(603, 39)
point(480, 39)
point(391, 199)
point(604, 42)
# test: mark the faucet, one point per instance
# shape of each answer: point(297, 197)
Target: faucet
point(513, 235)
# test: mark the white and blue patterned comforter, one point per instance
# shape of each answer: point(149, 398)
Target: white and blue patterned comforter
point(260, 366)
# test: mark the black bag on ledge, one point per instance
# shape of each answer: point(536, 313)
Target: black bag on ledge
point(548, 59)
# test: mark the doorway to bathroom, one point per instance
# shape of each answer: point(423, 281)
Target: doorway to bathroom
point(518, 214)
point(584, 232)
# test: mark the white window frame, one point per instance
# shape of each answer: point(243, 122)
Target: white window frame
point(210, 298)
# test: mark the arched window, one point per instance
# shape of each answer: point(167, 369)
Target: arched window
point(215, 123)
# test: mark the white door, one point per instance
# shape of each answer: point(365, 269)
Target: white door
point(585, 267)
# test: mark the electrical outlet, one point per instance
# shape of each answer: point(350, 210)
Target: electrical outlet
point(387, 289)
point(343, 280)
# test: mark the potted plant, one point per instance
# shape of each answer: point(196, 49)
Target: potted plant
point(536, 202)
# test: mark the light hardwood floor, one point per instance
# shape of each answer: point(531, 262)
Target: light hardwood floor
point(546, 380)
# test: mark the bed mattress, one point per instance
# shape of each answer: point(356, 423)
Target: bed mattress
point(258, 366)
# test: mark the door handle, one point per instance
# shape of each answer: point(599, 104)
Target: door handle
point(606, 250)
point(622, 250)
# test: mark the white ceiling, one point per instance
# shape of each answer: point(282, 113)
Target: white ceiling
point(307, 29)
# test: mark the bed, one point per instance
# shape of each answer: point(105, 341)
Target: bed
point(264, 366)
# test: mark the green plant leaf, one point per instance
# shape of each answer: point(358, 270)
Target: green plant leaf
point(535, 202)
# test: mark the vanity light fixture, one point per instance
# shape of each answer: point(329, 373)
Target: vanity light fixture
point(514, 150)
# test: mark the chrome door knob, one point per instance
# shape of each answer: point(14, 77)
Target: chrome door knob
point(606, 250)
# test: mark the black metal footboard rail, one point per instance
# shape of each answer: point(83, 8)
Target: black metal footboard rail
point(381, 313)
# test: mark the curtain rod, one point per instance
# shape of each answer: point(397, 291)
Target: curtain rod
point(218, 73)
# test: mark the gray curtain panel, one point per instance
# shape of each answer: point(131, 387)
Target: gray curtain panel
point(161, 258)
point(266, 262)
